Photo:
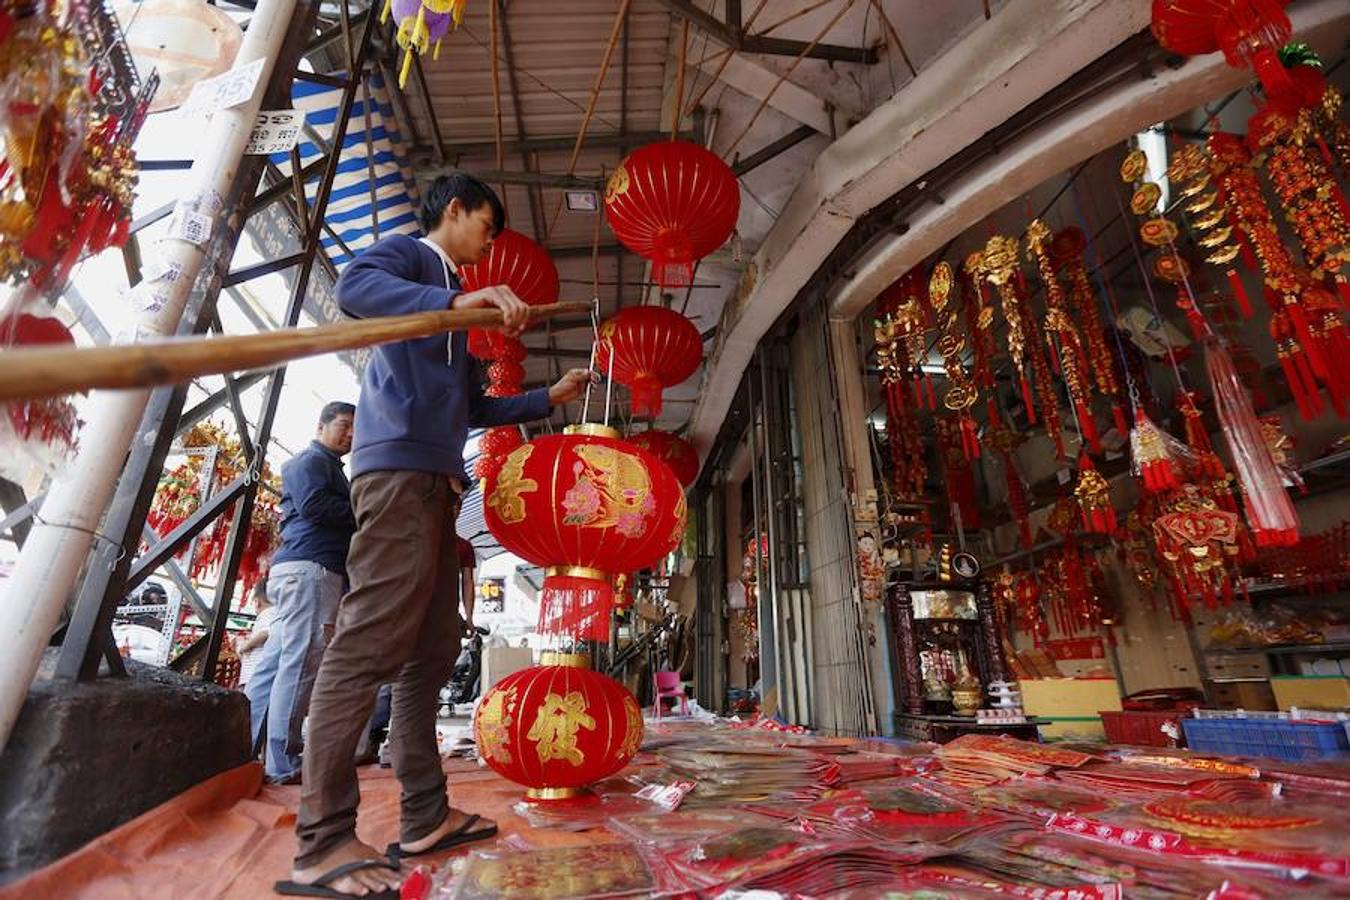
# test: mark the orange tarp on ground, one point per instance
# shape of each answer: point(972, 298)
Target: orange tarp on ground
point(232, 837)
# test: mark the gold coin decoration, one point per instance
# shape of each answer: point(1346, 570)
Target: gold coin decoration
point(1158, 232)
point(1145, 199)
point(1134, 166)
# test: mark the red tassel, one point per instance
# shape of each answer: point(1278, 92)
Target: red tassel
point(1026, 400)
point(918, 393)
point(1240, 292)
point(1118, 413)
point(1054, 357)
point(1343, 288)
point(1309, 383)
point(1296, 388)
point(1089, 427)
point(928, 386)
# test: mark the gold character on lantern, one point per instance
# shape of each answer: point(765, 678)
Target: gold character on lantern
point(494, 720)
point(555, 727)
point(633, 739)
point(511, 484)
point(612, 488)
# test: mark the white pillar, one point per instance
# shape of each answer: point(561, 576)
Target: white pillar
point(59, 541)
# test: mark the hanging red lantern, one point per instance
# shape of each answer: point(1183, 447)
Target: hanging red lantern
point(653, 348)
point(582, 504)
point(672, 203)
point(493, 447)
point(557, 727)
point(674, 451)
point(516, 262)
point(1249, 32)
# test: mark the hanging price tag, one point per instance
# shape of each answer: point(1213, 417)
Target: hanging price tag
point(224, 91)
point(276, 131)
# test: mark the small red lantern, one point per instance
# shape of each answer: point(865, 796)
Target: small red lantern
point(582, 504)
point(672, 203)
point(674, 451)
point(653, 349)
point(493, 447)
point(1249, 32)
point(516, 262)
point(557, 727)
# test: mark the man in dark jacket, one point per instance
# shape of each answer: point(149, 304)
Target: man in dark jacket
point(400, 620)
point(305, 582)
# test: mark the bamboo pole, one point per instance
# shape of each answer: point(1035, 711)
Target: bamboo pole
point(30, 373)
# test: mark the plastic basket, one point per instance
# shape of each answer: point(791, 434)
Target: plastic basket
point(1276, 738)
point(1144, 728)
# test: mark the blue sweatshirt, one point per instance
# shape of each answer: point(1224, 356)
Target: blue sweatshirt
point(418, 398)
point(316, 509)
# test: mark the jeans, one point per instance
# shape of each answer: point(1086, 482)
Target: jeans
point(306, 596)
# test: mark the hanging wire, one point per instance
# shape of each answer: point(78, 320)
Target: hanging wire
point(590, 367)
point(1148, 287)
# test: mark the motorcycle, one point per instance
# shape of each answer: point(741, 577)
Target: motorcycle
point(464, 678)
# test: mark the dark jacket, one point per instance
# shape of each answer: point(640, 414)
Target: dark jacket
point(316, 509)
point(418, 400)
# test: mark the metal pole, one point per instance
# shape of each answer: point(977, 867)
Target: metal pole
point(767, 607)
point(70, 517)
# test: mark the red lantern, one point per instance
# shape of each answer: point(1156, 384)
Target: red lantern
point(653, 348)
point(672, 203)
point(518, 263)
point(582, 504)
point(1249, 32)
point(493, 447)
point(557, 727)
point(674, 451)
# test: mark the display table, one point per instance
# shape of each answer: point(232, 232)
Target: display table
point(941, 729)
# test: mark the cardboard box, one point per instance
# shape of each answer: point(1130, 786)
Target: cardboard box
point(1071, 706)
point(1251, 693)
point(1330, 692)
point(1226, 666)
point(498, 662)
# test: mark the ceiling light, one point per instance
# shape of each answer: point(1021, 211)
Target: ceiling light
point(582, 201)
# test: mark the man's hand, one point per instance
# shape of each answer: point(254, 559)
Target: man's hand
point(515, 313)
point(571, 386)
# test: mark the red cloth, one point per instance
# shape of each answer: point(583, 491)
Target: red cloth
point(467, 559)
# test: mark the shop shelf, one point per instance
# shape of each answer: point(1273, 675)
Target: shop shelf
point(1277, 738)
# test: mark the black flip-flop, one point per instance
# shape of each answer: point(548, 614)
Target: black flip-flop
point(461, 835)
point(320, 886)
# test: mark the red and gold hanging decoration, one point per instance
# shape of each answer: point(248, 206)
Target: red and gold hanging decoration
point(68, 172)
point(557, 727)
point(979, 316)
point(1026, 347)
point(961, 392)
point(582, 504)
point(182, 490)
point(493, 448)
point(900, 337)
point(1072, 358)
point(1249, 32)
point(648, 349)
point(1199, 543)
point(1071, 581)
point(672, 203)
point(957, 475)
point(1067, 250)
point(674, 451)
point(1005, 442)
point(1093, 494)
point(35, 432)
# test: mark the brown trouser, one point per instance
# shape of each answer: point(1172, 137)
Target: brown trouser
point(400, 620)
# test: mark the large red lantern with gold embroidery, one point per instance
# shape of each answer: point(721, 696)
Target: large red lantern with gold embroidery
point(653, 348)
point(674, 451)
point(672, 202)
point(583, 504)
point(557, 727)
point(1249, 32)
point(518, 263)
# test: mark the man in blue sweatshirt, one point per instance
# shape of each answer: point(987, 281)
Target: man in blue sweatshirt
point(400, 619)
point(305, 583)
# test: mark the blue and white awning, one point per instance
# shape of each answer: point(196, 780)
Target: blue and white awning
point(352, 215)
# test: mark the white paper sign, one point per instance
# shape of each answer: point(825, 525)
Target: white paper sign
point(223, 91)
point(189, 225)
point(276, 131)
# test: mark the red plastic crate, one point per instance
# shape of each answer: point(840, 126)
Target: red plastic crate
point(1145, 728)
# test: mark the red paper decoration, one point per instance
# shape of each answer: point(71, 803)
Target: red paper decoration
point(520, 264)
point(1249, 32)
point(672, 203)
point(493, 447)
point(653, 348)
point(557, 727)
point(674, 451)
point(583, 504)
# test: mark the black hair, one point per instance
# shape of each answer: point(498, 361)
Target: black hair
point(334, 409)
point(471, 193)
